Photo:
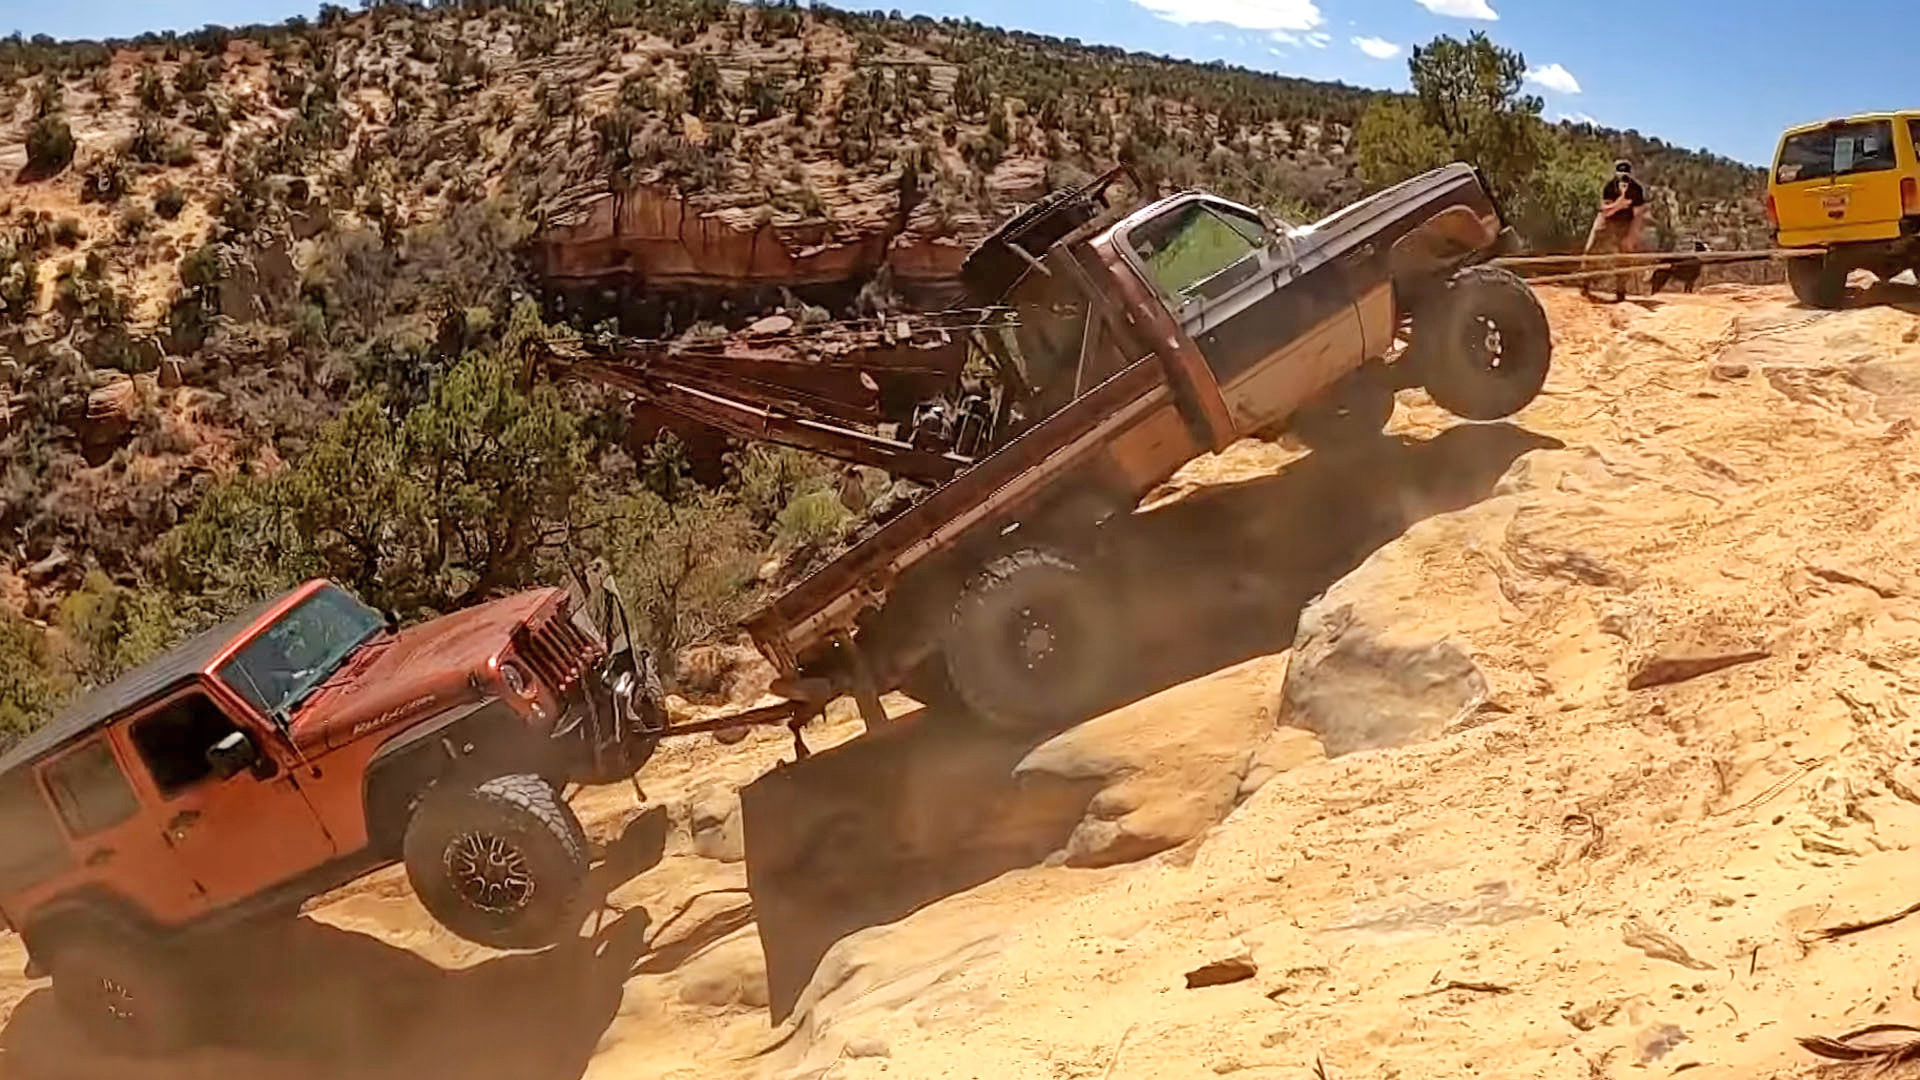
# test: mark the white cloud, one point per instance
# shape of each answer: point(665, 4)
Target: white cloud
point(1578, 118)
point(1279, 16)
point(1461, 9)
point(1378, 48)
point(1315, 40)
point(1556, 78)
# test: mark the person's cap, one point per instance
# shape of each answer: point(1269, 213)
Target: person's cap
point(1623, 166)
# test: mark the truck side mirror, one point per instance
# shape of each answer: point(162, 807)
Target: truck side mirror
point(1278, 236)
point(233, 755)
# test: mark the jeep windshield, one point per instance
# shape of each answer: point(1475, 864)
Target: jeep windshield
point(287, 661)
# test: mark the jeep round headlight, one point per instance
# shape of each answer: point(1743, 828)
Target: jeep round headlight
point(516, 680)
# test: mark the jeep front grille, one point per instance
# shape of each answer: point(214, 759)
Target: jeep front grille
point(558, 651)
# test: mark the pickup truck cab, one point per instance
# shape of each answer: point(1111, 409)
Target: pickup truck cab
point(1850, 187)
point(1146, 338)
point(301, 744)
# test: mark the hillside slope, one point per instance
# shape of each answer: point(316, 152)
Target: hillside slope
point(211, 243)
point(1631, 724)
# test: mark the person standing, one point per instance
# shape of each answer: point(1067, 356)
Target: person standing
point(1620, 225)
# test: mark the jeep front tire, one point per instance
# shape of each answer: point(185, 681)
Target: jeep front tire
point(502, 863)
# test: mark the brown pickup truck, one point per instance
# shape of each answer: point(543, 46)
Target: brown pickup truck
point(1145, 338)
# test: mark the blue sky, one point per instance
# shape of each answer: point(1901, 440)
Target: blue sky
point(1723, 74)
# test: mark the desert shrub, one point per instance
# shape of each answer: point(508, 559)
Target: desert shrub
point(211, 120)
point(148, 143)
point(48, 95)
point(814, 519)
point(134, 221)
point(193, 76)
point(170, 201)
point(106, 179)
point(49, 145)
point(28, 691)
point(19, 281)
point(151, 90)
point(684, 564)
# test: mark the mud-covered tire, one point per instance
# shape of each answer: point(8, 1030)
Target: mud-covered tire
point(1483, 345)
point(1354, 410)
point(502, 863)
point(129, 994)
point(1033, 642)
point(1817, 282)
point(930, 685)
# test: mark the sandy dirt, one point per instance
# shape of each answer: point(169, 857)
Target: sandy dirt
point(1677, 600)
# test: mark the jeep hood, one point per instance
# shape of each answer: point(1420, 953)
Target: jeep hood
point(400, 679)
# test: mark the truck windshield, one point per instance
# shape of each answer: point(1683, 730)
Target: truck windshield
point(1836, 150)
point(288, 660)
point(1192, 244)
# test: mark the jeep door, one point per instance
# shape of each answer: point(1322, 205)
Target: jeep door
point(1276, 328)
point(109, 839)
point(234, 835)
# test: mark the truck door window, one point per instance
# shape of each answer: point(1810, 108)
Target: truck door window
point(173, 742)
point(89, 790)
point(31, 847)
point(1191, 250)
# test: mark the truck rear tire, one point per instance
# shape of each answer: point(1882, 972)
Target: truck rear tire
point(1817, 282)
point(127, 993)
point(503, 863)
point(1033, 642)
point(1483, 345)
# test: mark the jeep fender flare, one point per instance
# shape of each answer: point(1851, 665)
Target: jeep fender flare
point(412, 761)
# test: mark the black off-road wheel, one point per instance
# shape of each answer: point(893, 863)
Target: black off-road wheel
point(1033, 642)
point(502, 864)
point(1817, 282)
point(1352, 411)
point(1483, 345)
point(129, 994)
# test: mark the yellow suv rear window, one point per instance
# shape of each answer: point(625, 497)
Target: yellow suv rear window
point(1837, 150)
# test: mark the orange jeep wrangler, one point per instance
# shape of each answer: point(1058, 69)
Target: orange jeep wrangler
point(299, 746)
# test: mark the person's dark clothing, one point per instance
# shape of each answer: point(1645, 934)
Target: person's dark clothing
point(1635, 193)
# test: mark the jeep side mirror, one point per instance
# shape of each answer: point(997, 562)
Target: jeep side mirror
point(233, 755)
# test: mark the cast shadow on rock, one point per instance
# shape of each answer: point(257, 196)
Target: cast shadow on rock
point(870, 831)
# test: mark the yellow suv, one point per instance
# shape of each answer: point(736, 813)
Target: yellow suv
point(1852, 187)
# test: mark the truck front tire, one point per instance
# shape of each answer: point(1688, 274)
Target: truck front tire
point(1483, 345)
point(502, 863)
point(1033, 642)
